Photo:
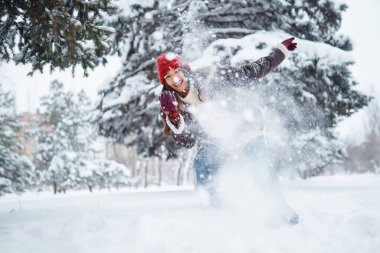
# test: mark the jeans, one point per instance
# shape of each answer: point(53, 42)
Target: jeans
point(257, 157)
point(210, 158)
point(256, 147)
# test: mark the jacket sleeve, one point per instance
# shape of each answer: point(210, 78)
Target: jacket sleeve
point(257, 69)
point(188, 137)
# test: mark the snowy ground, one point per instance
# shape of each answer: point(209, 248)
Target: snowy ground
point(338, 214)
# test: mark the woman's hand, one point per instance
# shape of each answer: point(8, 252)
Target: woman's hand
point(289, 44)
point(169, 105)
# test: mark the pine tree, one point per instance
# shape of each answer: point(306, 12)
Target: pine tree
point(139, 37)
point(59, 33)
point(64, 154)
point(16, 170)
point(320, 89)
point(65, 128)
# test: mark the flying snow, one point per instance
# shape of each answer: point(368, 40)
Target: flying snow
point(170, 56)
point(176, 79)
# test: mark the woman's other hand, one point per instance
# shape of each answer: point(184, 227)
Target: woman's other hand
point(289, 44)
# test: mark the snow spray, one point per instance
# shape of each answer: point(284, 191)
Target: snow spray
point(247, 132)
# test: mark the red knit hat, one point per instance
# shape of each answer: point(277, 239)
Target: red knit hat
point(166, 62)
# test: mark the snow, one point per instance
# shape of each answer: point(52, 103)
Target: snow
point(138, 82)
point(4, 181)
point(170, 56)
point(308, 95)
point(18, 56)
point(108, 29)
point(76, 22)
point(111, 114)
point(231, 130)
point(125, 6)
point(338, 214)
point(247, 49)
point(104, 44)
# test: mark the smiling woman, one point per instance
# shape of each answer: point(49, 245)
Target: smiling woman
point(183, 94)
point(175, 78)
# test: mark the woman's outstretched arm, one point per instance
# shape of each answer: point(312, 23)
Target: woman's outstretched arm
point(259, 68)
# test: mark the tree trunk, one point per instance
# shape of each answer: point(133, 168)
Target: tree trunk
point(159, 172)
point(179, 174)
point(146, 174)
point(186, 166)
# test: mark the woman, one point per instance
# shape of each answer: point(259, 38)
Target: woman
point(183, 88)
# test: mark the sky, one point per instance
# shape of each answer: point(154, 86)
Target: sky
point(29, 89)
point(359, 22)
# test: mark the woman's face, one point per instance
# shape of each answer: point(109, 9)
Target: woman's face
point(175, 78)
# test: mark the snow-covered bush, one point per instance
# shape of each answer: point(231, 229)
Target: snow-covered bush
point(73, 170)
point(111, 174)
point(16, 170)
point(65, 126)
